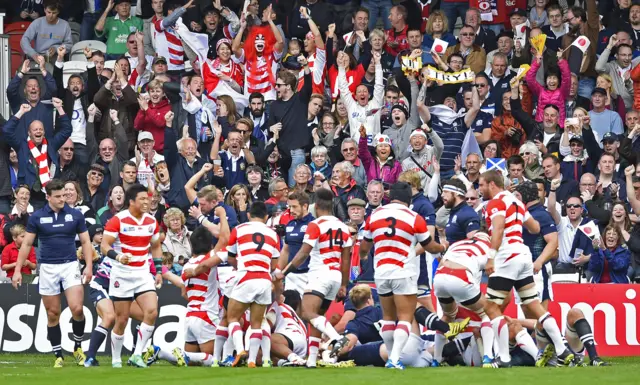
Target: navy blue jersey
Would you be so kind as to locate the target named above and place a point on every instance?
(536, 242)
(56, 233)
(421, 205)
(234, 169)
(294, 236)
(462, 220)
(452, 136)
(363, 325)
(482, 122)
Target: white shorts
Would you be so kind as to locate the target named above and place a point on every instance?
(227, 279)
(126, 284)
(326, 283)
(54, 275)
(298, 340)
(543, 284)
(513, 263)
(197, 330)
(252, 291)
(455, 283)
(398, 286)
(297, 282)
(471, 355)
(414, 353)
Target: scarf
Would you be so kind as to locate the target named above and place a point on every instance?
(488, 9)
(41, 159)
(446, 114)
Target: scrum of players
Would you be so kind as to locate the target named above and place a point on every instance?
(239, 313)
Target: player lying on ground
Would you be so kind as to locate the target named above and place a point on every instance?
(327, 240)
(289, 337)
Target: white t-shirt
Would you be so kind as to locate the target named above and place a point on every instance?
(78, 124)
(144, 169)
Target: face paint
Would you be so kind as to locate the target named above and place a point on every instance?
(259, 42)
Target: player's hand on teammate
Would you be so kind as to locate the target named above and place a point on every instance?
(342, 294)
(188, 273)
(488, 268)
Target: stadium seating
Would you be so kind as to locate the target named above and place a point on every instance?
(16, 31)
(77, 51)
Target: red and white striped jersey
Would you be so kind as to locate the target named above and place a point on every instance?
(470, 253)
(328, 236)
(287, 321)
(317, 63)
(506, 205)
(262, 78)
(254, 244)
(202, 292)
(133, 236)
(395, 229)
(169, 45)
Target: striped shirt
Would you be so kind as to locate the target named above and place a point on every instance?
(202, 292)
(506, 205)
(169, 45)
(287, 321)
(395, 230)
(133, 236)
(470, 253)
(317, 63)
(452, 136)
(254, 244)
(328, 236)
(262, 80)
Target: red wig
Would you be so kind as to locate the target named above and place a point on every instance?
(250, 52)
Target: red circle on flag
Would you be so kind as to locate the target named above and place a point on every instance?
(587, 230)
(438, 48)
(523, 28)
(582, 42)
(483, 5)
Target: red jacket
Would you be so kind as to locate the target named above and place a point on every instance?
(152, 120)
(400, 38)
(10, 255)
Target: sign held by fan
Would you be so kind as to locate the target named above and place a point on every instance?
(582, 42)
(464, 76)
(439, 47)
(411, 65)
(538, 42)
(521, 32)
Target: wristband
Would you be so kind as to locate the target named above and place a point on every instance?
(491, 254)
(552, 190)
(201, 218)
(112, 254)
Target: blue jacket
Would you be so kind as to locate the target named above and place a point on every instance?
(180, 172)
(41, 112)
(26, 170)
(582, 241)
(618, 262)
(427, 42)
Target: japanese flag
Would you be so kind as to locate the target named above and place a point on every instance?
(590, 229)
(520, 31)
(347, 37)
(582, 42)
(439, 46)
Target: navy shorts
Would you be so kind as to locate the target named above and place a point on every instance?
(367, 354)
(521, 358)
(98, 290)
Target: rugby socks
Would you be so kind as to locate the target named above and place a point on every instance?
(54, 334)
(400, 338)
(541, 338)
(322, 325)
(314, 345)
(430, 320)
(98, 335)
(135, 338)
(501, 330)
(78, 333)
(144, 334)
(387, 328)
(236, 335)
(222, 334)
(525, 342)
(203, 359)
(488, 336)
(265, 345)
(255, 339)
(116, 347)
(439, 341)
(228, 347)
(551, 327)
(455, 347)
(586, 336)
(167, 356)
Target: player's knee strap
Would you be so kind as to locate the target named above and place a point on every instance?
(529, 295)
(453, 312)
(424, 291)
(496, 296)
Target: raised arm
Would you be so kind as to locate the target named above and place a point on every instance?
(470, 116)
(215, 147)
(551, 203)
(525, 120)
(190, 187)
(317, 36)
(99, 28)
(276, 32)
(423, 109)
(236, 45)
(378, 87)
(631, 195)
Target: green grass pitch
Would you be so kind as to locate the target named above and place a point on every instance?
(37, 369)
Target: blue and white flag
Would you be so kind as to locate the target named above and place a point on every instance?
(496, 164)
(470, 146)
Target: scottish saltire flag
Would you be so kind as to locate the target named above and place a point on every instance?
(470, 146)
(496, 164)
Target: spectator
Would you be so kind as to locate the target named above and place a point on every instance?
(112, 154)
(278, 192)
(485, 37)
(613, 102)
(619, 70)
(148, 26)
(321, 11)
(472, 177)
(215, 29)
(8, 172)
(96, 195)
(320, 164)
(150, 117)
(499, 76)
(37, 150)
(349, 150)
(396, 36)
(538, 14)
(13, 170)
(375, 195)
(22, 209)
(515, 169)
(473, 199)
(259, 115)
(146, 157)
(239, 199)
(235, 160)
(73, 197)
(474, 56)
(419, 159)
(555, 29)
(30, 9)
(117, 29)
(575, 101)
(176, 240)
(114, 205)
(384, 166)
(437, 28)
(11, 251)
(576, 163)
(567, 187)
(555, 91)
(257, 188)
(506, 130)
(404, 121)
(610, 261)
(454, 9)
(583, 22)
(46, 33)
(330, 134)
(344, 188)
(603, 120)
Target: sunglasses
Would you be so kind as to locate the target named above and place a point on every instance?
(471, 198)
(574, 206)
(95, 173)
(280, 84)
(526, 153)
(67, 149)
(467, 34)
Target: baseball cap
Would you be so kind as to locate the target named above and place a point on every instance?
(609, 137)
(519, 12)
(145, 135)
(95, 229)
(505, 33)
(159, 59)
(599, 90)
(577, 138)
(356, 202)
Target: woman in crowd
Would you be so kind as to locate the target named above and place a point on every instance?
(614, 101)
(73, 198)
(92, 192)
(531, 155)
(437, 28)
(176, 240)
(609, 261)
(114, 205)
(227, 114)
(383, 167)
(240, 199)
(258, 189)
(150, 117)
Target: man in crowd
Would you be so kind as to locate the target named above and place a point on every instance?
(116, 29)
(345, 188)
(46, 33)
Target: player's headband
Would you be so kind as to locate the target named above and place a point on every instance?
(453, 189)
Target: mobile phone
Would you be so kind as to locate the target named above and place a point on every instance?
(514, 181)
(578, 253)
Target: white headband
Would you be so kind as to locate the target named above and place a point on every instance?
(418, 131)
(453, 189)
